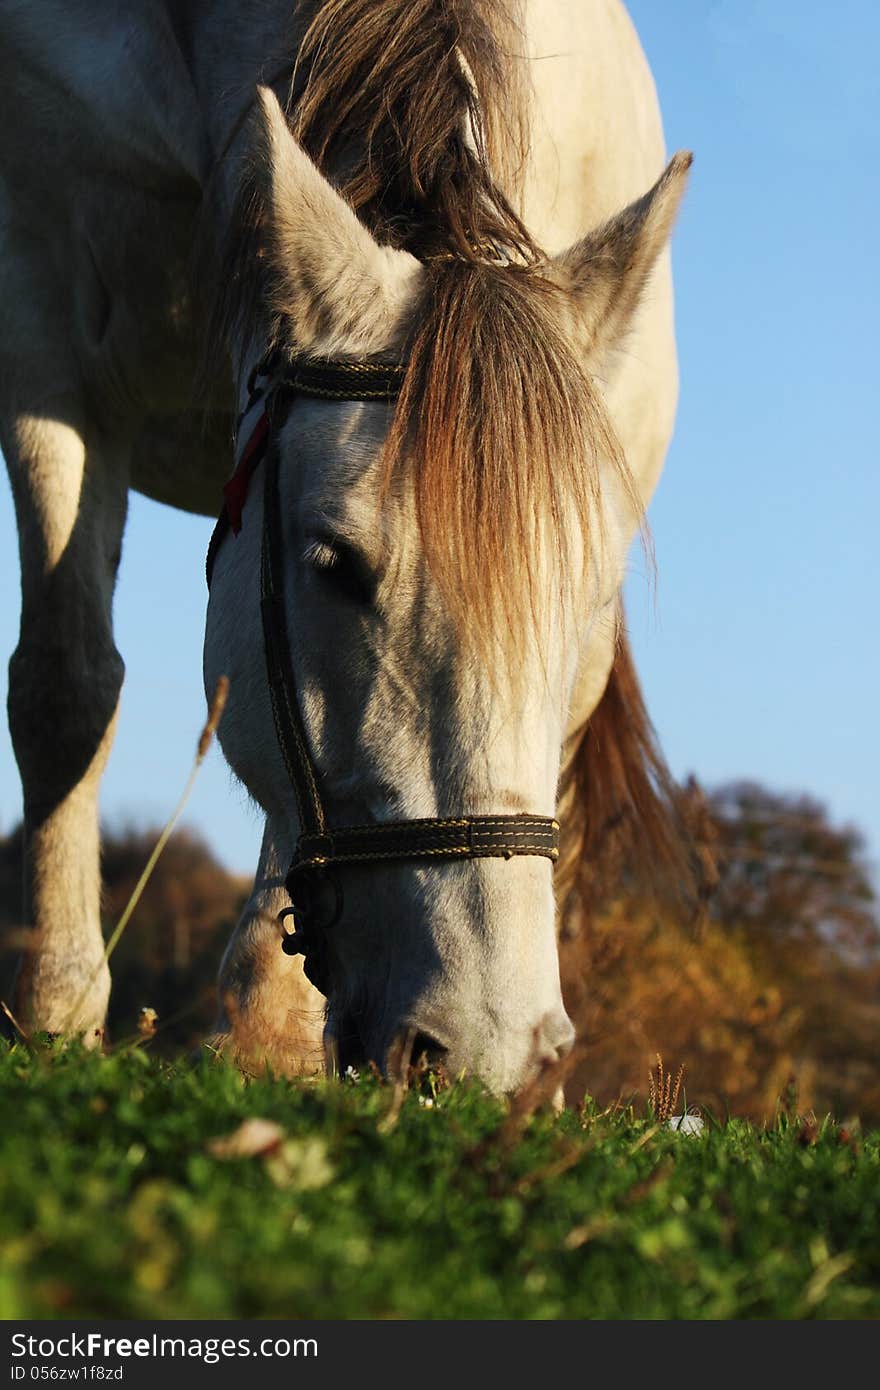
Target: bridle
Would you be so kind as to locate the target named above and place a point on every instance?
(315, 894)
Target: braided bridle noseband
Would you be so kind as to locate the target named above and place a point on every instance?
(315, 894)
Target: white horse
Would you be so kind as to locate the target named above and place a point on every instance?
(484, 206)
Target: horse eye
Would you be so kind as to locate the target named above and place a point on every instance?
(341, 565)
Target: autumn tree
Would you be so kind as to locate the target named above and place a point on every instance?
(780, 977)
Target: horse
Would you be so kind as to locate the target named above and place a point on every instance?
(401, 268)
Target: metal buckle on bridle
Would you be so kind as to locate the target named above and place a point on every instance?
(316, 905)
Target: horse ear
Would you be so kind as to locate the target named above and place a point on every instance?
(607, 270)
(340, 289)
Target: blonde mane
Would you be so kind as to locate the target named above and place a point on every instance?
(503, 431)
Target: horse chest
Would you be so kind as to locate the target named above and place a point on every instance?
(101, 152)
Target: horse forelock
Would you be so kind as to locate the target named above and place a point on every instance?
(503, 434)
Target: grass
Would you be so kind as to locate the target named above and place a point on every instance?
(113, 1203)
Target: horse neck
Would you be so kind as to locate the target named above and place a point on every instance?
(228, 60)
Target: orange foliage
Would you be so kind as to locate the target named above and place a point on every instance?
(637, 986)
(781, 983)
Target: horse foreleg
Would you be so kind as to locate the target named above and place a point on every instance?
(64, 682)
(270, 1015)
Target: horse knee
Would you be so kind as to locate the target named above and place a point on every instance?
(62, 700)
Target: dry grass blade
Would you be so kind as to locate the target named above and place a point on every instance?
(663, 1092)
(399, 1058)
(570, 1156)
(215, 714)
(4, 1007)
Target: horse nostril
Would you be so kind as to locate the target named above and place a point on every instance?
(427, 1047)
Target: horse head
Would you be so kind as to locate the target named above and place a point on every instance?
(445, 558)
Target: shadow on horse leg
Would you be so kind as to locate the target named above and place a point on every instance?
(64, 683)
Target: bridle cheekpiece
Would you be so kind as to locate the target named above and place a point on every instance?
(315, 893)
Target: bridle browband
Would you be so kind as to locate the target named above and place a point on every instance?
(316, 898)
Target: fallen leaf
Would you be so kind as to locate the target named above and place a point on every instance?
(147, 1023)
(252, 1138)
(301, 1164)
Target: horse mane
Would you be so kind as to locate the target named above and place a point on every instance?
(627, 826)
(418, 107)
(502, 432)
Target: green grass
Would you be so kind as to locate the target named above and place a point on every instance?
(111, 1204)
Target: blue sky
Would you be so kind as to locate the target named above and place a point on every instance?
(759, 653)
